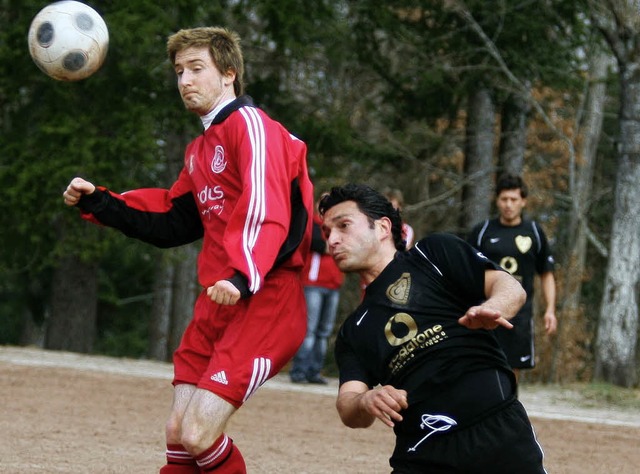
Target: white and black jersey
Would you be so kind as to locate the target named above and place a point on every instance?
(523, 251)
(406, 332)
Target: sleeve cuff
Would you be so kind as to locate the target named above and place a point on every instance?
(94, 202)
(241, 283)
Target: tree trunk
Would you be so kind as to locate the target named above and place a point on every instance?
(175, 276)
(74, 306)
(174, 295)
(569, 354)
(618, 325)
(185, 290)
(513, 136)
(160, 321)
(477, 193)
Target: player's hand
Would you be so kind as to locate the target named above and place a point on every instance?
(481, 317)
(385, 403)
(77, 187)
(223, 292)
(550, 323)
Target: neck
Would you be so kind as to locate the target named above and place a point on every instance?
(377, 266)
(208, 118)
(511, 222)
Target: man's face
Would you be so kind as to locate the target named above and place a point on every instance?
(353, 241)
(510, 204)
(200, 83)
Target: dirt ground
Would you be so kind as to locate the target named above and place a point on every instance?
(68, 413)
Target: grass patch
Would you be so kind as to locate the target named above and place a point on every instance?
(607, 394)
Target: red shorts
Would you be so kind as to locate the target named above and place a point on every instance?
(232, 350)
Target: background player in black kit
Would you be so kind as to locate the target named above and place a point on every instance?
(520, 246)
(418, 353)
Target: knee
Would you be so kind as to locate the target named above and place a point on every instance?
(195, 441)
(173, 430)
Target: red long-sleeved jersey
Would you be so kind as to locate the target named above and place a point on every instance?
(244, 188)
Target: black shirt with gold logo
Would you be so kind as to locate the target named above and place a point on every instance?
(522, 250)
(406, 332)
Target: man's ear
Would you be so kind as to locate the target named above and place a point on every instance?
(229, 77)
(384, 224)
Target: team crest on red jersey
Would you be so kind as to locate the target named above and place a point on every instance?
(218, 163)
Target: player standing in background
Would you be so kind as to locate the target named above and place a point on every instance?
(322, 280)
(417, 353)
(245, 189)
(520, 246)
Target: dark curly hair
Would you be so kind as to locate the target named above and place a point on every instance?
(370, 202)
(509, 182)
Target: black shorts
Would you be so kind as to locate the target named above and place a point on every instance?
(496, 439)
(518, 343)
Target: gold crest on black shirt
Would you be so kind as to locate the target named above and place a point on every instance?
(398, 292)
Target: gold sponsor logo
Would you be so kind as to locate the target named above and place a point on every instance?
(510, 264)
(413, 341)
(404, 320)
(398, 292)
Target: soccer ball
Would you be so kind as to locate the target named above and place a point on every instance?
(68, 40)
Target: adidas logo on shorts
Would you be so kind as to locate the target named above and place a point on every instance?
(220, 377)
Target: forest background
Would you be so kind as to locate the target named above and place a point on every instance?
(435, 98)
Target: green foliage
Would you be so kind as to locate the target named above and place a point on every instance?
(125, 298)
(367, 85)
(105, 128)
(431, 56)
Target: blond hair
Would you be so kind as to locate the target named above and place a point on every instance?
(224, 48)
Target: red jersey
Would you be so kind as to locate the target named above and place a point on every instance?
(244, 188)
(320, 269)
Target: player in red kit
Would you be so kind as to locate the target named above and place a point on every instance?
(245, 190)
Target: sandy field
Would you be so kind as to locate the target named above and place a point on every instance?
(71, 413)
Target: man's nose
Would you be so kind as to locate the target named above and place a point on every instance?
(185, 78)
(331, 239)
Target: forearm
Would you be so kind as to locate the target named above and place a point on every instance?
(352, 411)
(160, 221)
(359, 406)
(548, 284)
(504, 293)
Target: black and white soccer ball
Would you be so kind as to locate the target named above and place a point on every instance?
(68, 40)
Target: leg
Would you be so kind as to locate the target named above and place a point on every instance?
(516, 373)
(179, 461)
(325, 325)
(303, 360)
(202, 430)
(204, 420)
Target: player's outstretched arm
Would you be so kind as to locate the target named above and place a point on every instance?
(505, 296)
(359, 406)
(76, 188)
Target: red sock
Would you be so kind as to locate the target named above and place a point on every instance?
(179, 461)
(222, 458)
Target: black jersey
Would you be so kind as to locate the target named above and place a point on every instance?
(522, 250)
(404, 330)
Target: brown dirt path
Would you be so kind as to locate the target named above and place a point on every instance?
(69, 413)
